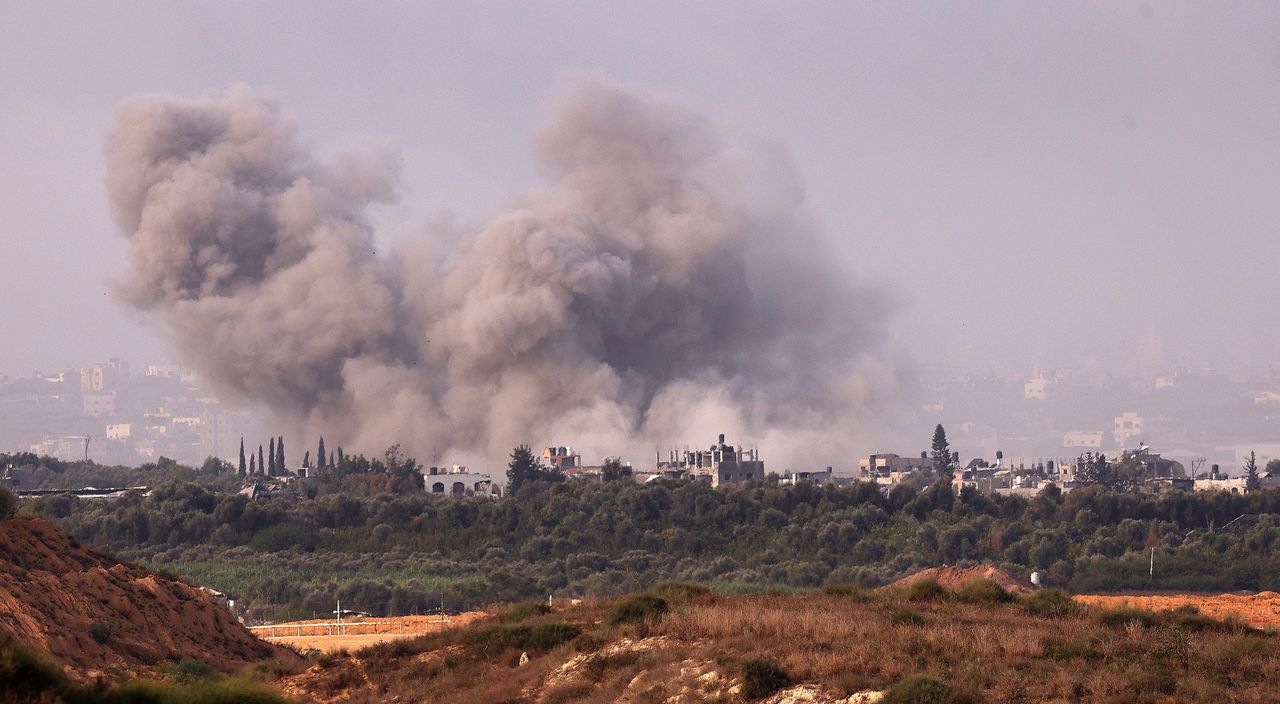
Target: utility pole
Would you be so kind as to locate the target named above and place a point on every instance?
(1152, 572)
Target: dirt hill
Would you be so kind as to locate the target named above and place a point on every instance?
(840, 647)
(1261, 610)
(91, 612)
(955, 577)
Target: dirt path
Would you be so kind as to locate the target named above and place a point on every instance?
(325, 636)
(1261, 610)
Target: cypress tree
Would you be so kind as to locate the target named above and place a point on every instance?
(271, 457)
(1252, 482)
(243, 469)
(262, 461)
(941, 453)
(253, 464)
(320, 455)
(280, 465)
(306, 460)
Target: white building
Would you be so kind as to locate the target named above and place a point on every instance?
(458, 481)
(119, 431)
(1035, 388)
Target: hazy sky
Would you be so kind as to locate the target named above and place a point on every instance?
(1084, 183)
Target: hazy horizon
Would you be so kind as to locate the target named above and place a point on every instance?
(1034, 186)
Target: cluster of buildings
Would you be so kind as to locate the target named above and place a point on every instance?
(1192, 413)
(113, 414)
(1154, 473)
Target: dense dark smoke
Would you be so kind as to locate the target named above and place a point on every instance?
(664, 286)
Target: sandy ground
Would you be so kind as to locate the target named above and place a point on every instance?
(325, 637)
(1261, 610)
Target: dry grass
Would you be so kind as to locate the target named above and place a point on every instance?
(994, 652)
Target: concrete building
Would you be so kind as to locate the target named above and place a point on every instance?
(220, 433)
(119, 431)
(889, 468)
(1035, 388)
(719, 465)
(458, 481)
(1085, 439)
(104, 377)
(1129, 426)
(562, 458)
(98, 404)
(820, 478)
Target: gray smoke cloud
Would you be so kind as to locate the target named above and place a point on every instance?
(665, 285)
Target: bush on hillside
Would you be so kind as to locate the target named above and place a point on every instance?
(920, 689)
(637, 609)
(927, 590)
(525, 609)
(1050, 603)
(762, 677)
(983, 591)
(536, 636)
(1125, 615)
(8, 503)
(676, 592)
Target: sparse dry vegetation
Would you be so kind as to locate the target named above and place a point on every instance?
(974, 644)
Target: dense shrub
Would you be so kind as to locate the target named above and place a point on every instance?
(906, 617)
(523, 610)
(927, 590)
(918, 689)
(24, 675)
(852, 592)
(1082, 649)
(1050, 603)
(762, 677)
(8, 503)
(187, 670)
(1124, 616)
(983, 591)
(676, 592)
(26, 678)
(103, 631)
(536, 636)
(640, 608)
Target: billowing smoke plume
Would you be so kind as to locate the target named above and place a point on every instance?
(663, 286)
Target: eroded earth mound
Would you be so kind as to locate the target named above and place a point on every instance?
(955, 577)
(91, 612)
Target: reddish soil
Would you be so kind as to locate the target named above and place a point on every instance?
(1261, 610)
(955, 577)
(326, 636)
(91, 612)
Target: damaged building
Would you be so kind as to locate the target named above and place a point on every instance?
(718, 465)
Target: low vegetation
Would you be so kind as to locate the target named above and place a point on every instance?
(762, 677)
(26, 677)
(973, 644)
